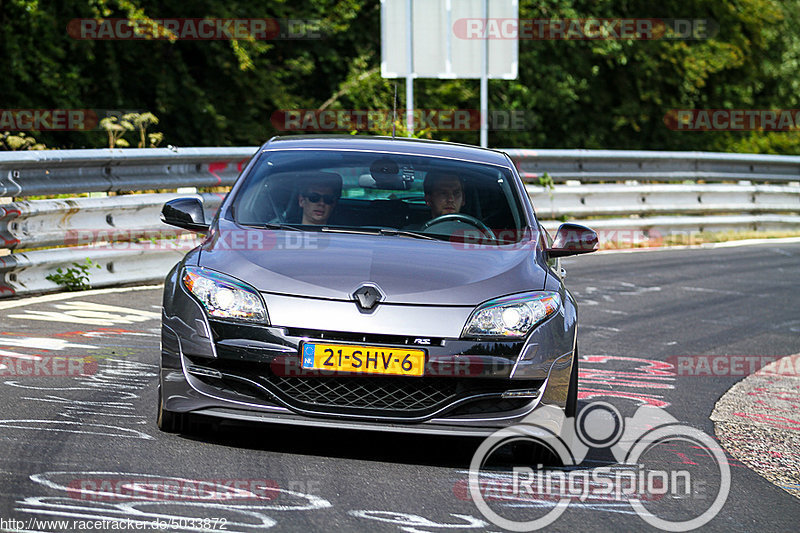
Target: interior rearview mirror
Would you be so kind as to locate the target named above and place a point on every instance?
(385, 174)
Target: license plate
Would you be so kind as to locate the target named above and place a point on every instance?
(365, 359)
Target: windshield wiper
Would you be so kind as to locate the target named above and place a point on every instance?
(281, 225)
(378, 231)
(406, 233)
(357, 231)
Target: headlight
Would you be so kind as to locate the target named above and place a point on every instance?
(225, 297)
(511, 316)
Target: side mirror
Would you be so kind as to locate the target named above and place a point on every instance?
(573, 239)
(186, 213)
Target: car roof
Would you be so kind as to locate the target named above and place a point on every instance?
(399, 145)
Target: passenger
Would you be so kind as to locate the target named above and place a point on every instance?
(319, 198)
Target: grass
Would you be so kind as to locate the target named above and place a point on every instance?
(694, 239)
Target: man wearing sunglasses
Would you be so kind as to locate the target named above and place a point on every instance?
(319, 197)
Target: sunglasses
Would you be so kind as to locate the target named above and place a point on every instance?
(315, 197)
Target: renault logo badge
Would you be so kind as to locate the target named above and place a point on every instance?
(367, 296)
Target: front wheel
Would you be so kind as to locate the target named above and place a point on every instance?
(168, 421)
(571, 408)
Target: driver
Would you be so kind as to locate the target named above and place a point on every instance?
(319, 196)
(444, 193)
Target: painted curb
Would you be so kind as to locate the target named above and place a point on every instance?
(758, 422)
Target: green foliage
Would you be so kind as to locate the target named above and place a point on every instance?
(546, 180)
(398, 129)
(141, 121)
(575, 94)
(155, 139)
(74, 278)
(116, 127)
(19, 141)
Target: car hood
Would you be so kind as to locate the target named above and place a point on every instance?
(407, 270)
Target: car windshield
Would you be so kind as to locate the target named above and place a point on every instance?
(380, 193)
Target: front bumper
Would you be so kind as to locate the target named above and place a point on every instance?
(249, 372)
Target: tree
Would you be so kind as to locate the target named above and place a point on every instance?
(573, 93)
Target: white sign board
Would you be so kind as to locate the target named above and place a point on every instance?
(445, 42)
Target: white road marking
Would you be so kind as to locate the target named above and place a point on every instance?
(120, 395)
(705, 246)
(90, 313)
(409, 522)
(61, 426)
(125, 512)
(52, 316)
(782, 252)
(82, 504)
(16, 355)
(69, 295)
(109, 308)
(606, 328)
(614, 312)
(718, 291)
(41, 343)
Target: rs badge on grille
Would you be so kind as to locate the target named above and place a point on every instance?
(367, 296)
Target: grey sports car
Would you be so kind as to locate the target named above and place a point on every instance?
(370, 283)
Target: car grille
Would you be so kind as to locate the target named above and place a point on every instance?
(393, 394)
(379, 396)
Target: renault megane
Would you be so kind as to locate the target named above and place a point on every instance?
(370, 283)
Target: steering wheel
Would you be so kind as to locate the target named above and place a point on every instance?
(462, 217)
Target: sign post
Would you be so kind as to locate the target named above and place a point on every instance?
(410, 69)
(447, 39)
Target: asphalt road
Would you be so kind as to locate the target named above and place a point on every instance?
(72, 445)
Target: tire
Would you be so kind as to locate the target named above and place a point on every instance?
(534, 454)
(571, 408)
(168, 421)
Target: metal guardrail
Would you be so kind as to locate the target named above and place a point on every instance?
(125, 236)
(646, 200)
(25, 273)
(642, 165)
(83, 221)
(49, 172)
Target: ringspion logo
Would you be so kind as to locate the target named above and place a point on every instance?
(643, 475)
